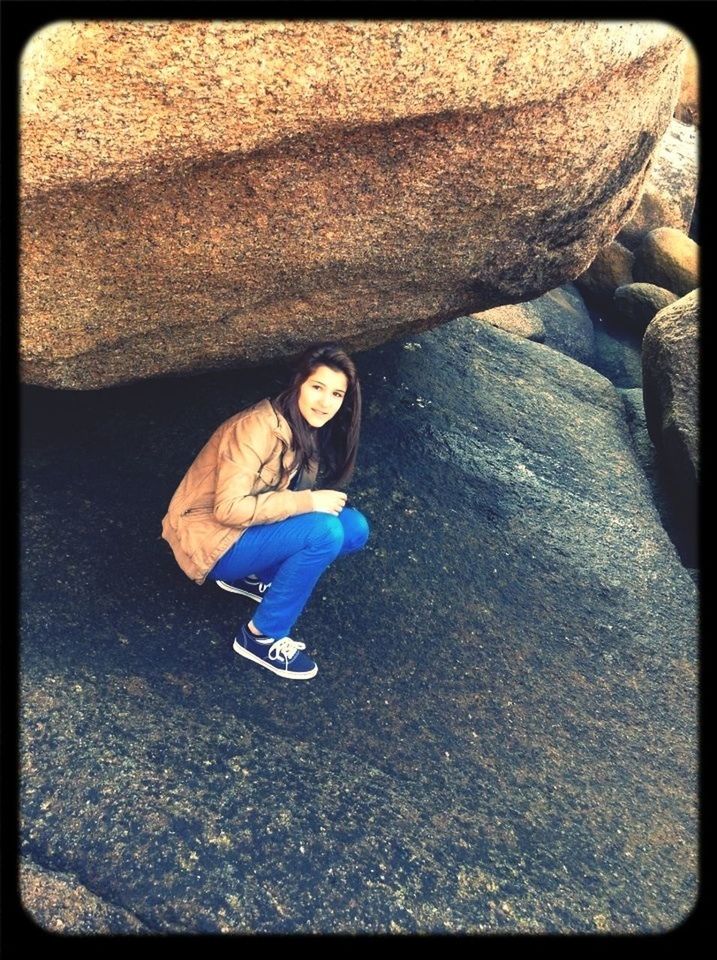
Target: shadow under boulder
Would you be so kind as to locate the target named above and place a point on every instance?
(502, 735)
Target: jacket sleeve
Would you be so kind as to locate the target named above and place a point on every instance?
(243, 450)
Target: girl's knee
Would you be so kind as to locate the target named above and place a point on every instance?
(356, 528)
(327, 531)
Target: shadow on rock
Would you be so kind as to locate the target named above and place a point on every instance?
(502, 733)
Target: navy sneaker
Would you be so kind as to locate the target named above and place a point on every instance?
(251, 587)
(284, 656)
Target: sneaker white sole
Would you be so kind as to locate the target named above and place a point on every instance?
(238, 648)
(231, 589)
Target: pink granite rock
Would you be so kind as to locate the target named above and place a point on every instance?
(669, 259)
(688, 104)
(670, 193)
(201, 194)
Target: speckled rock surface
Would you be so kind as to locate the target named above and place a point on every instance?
(559, 319)
(502, 734)
(516, 318)
(648, 459)
(688, 104)
(618, 353)
(670, 374)
(59, 904)
(637, 303)
(670, 193)
(199, 194)
(670, 259)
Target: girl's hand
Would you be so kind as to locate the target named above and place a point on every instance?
(328, 501)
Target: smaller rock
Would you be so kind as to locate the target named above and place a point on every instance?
(568, 324)
(559, 319)
(611, 268)
(670, 374)
(515, 318)
(637, 303)
(669, 259)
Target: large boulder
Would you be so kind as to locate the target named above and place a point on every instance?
(503, 733)
(207, 193)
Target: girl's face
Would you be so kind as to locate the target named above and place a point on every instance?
(321, 395)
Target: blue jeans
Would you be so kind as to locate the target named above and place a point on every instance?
(291, 555)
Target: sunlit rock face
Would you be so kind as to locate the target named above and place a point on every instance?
(688, 104)
(204, 194)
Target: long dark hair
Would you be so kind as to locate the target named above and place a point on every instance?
(334, 445)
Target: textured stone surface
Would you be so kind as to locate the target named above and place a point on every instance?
(618, 353)
(670, 259)
(611, 268)
(670, 373)
(59, 903)
(649, 461)
(688, 104)
(637, 303)
(202, 194)
(516, 318)
(559, 319)
(670, 193)
(503, 732)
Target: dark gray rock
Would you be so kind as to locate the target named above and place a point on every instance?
(559, 319)
(648, 459)
(637, 303)
(567, 322)
(618, 353)
(670, 369)
(502, 735)
(611, 268)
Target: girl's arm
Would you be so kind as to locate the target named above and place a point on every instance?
(245, 448)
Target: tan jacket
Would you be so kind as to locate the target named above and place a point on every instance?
(233, 484)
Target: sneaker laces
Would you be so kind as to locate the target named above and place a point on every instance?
(285, 649)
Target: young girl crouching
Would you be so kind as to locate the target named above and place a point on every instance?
(247, 513)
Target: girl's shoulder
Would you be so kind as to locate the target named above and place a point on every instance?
(263, 417)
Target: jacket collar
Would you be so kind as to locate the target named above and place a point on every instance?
(280, 425)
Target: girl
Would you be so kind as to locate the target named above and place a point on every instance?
(247, 514)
